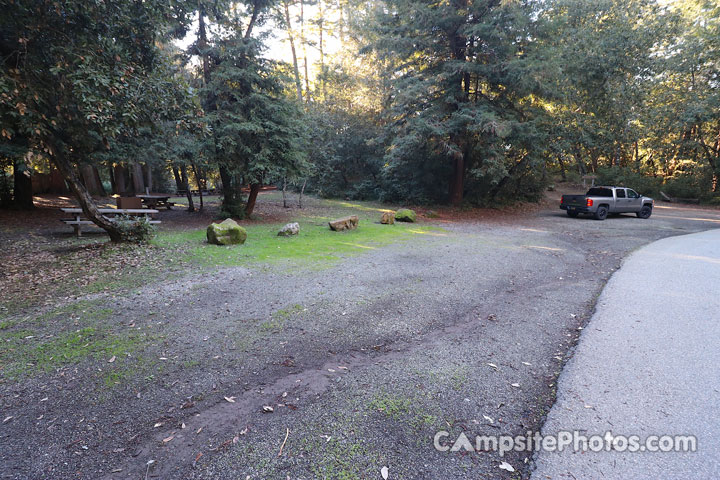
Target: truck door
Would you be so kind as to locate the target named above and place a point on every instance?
(634, 201)
(620, 201)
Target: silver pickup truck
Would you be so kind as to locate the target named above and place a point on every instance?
(601, 201)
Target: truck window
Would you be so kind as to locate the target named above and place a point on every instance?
(599, 192)
(632, 193)
(620, 192)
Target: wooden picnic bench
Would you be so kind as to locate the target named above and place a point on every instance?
(79, 220)
(156, 201)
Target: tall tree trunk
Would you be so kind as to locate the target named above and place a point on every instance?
(137, 178)
(176, 175)
(302, 191)
(98, 182)
(147, 177)
(253, 19)
(199, 184)
(321, 21)
(202, 46)
(291, 38)
(252, 198)
(284, 192)
(186, 187)
(111, 174)
(22, 187)
(120, 184)
(303, 43)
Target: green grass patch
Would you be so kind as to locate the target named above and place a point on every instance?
(25, 356)
(316, 244)
(85, 310)
(391, 405)
(279, 317)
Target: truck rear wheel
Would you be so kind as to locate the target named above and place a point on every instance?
(644, 212)
(601, 213)
(572, 214)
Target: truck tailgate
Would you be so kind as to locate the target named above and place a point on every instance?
(574, 200)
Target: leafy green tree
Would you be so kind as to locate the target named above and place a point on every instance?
(76, 74)
(256, 132)
(458, 107)
(599, 62)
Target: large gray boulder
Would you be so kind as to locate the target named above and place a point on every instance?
(289, 229)
(227, 232)
(347, 223)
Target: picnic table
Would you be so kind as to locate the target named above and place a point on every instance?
(156, 201)
(79, 219)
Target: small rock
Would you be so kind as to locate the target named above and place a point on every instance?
(289, 229)
(405, 215)
(388, 218)
(346, 223)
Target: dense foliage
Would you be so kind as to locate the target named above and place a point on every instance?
(461, 101)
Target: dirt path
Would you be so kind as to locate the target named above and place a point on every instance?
(465, 329)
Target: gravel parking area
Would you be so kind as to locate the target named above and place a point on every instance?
(463, 329)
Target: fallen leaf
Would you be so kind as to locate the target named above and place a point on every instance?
(112, 359)
(230, 399)
(244, 431)
(7, 419)
(493, 366)
(198, 430)
(526, 363)
(489, 419)
(506, 466)
(384, 472)
(182, 425)
(516, 385)
(268, 409)
(166, 440)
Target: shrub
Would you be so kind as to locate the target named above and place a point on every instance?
(135, 229)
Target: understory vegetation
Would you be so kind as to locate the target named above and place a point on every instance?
(405, 101)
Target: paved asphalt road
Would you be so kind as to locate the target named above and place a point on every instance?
(647, 364)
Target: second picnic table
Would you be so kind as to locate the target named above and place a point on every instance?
(156, 201)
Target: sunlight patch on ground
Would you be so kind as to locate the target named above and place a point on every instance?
(358, 206)
(358, 245)
(425, 232)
